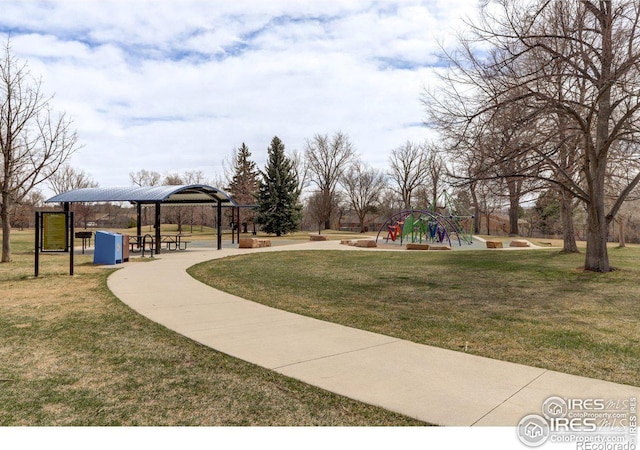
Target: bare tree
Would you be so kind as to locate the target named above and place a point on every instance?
(24, 212)
(409, 170)
(579, 59)
(194, 177)
(301, 169)
(327, 158)
(363, 187)
(437, 171)
(175, 214)
(145, 178)
(318, 204)
(67, 179)
(34, 142)
(141, 178)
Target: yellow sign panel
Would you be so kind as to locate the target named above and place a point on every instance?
(54, 232)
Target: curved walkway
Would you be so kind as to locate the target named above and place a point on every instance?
(435, 385)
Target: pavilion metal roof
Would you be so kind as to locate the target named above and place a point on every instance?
(181, 194)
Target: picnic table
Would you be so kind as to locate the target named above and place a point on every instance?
(175, 241)
(172, 241)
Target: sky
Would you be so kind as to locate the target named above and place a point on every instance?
(175, 86)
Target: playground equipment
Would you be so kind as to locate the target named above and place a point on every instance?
(430, 226)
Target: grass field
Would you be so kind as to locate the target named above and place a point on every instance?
(73, 354)
(535, 307)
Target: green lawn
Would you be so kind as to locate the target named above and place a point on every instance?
(535, 307)
(72, 354)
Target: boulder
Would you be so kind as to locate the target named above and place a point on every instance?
(415, 246)
(367, 243)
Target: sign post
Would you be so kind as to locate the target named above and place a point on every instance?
(54, 234)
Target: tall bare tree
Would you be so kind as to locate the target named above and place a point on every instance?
(34, 142)
(409, 170)
(363, 187)
(327, 159)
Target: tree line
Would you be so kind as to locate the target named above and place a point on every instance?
(539, 101)
(545, 94)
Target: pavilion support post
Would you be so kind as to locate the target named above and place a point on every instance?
(139, 223)
(239, 224)
(219, 225)
(66, 207)
(236, 220)
(72, 235)
(157, 227)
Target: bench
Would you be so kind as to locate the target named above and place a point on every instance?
(366, 243)
(494, 244)
(317, 237)
(519, 243)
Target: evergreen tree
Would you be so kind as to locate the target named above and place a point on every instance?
(278, 210)
(244, 183)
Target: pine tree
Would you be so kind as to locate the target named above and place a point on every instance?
(244, 184)
(278, 210)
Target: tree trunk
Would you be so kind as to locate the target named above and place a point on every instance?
(476, 210)
(621, 238)
(6, 228)
(597, 257)
(568, 230)
(514, 206)
(488, 216)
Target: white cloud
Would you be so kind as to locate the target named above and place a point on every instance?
(174, 86)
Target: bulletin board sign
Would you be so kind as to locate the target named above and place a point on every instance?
(55, 232)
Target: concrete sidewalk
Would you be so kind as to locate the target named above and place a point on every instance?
(438, 386)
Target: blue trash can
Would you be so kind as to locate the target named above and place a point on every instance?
(108, 248)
